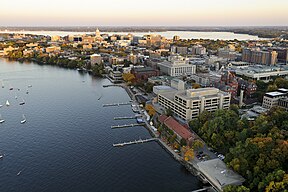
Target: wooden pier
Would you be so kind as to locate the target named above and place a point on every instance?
(131, 117)
(126, 126)
(116, 104)
(134, 142)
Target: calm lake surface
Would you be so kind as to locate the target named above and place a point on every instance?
(66, 143)
(167, 34)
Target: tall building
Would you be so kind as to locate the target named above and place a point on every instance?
(188, 104)
(282, 53)
(257, 56)
(177, 66)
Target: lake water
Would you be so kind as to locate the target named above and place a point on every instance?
(167, 34)
(66, 143)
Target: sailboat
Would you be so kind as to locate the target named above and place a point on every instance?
(7, 103)
(24, 119)
(1, 120)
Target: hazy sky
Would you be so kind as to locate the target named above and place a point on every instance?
(143, 12)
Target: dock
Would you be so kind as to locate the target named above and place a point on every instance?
(134, 142)
(116, 104)
(131, 117)
(126, 126)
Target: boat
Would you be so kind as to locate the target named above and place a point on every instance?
(22, 103)
(1, 106)
(27, 91)
(11, 88)
(24, 119)
(1, 156)
(7, 103)
(19, 173)
(1, 120)
(29, 86)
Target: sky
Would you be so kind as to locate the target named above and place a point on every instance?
(144, 13)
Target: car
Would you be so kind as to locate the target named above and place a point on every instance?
(220, 156)
(200, 152)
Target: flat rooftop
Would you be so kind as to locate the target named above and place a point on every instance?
(274, 94)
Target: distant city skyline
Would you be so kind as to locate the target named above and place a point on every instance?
(148, 13)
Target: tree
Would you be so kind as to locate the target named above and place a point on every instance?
(188, 153)
(128, 77)
(183, 142)
(169, 112)
(197, 144)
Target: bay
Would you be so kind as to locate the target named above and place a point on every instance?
(66, 143)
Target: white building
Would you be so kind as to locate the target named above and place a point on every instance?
(271, 99)
(188, 104)
(177, 66)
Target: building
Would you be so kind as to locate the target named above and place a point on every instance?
(258, 56)
(226, 53)
(179, 50)
(133, 59)
(98, 36)
(282, 53)
(249, 87)
(177, 66)
(260, 72)
(96, 59)
(271, 99)
(55, 38)
(197, 50)
(188, 104)
(180, 131)
(176, 38)
(143, 73)
(218, 174)
(87, 47)
(52, 49)
(283, 103)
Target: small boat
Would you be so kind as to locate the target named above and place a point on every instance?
(11, 88)
(22, 103)
(27, 91)
(24, 119)
(29, 86)
(7, 103)
(1, 156)
(1, 120)
(1, 106)
(19, 173)
(16, 97)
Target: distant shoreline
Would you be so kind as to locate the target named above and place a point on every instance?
(260, 31)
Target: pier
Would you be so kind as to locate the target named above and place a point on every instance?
(122, 118)
(126, 126)
(134, 142)
(116, 104)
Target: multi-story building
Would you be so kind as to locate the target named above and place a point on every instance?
(96, 59)
(197, 50)
(260, 72)
(188, 104)
(177, 66)
(282, 53)
(226, 53)
(179, 50)
(271, 99)
(257, 56)
(143, 73)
